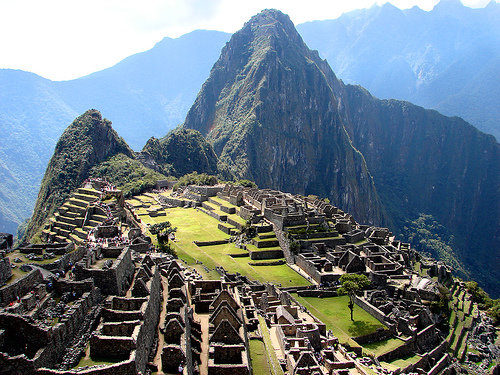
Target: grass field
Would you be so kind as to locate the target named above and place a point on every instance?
(384, 346)
(273, 363)
(193, 225)
(258, 356)
(401, 363)
(333, 311)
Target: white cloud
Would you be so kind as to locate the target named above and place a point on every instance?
(64, 39)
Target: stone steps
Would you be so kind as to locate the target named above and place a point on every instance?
(64, 225)
(93, 192)
(266, 236)
(66, 219)
(85, 197)
(266, 243)
(62, 232)
(75, 239)
(63, 209)
(77, 209)
(73, 215)
(99, 218)
(59, 238)
(78, 202)
(80, 233)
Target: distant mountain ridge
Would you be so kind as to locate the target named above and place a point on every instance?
(447, 59)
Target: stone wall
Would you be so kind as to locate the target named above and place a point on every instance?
(210, 243)
(42, 347)
(114, 347)
(370, 309)
(62, 286)
(113, 281)
(209, 191)
(234, 223)
(266, 254)
(174, 202)
(20, 287)
(400, 352)
(147, 333)
(123, 368)
(379, 335)
(5, 270)
(66, 261)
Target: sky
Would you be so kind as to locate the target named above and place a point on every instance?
(67, 39)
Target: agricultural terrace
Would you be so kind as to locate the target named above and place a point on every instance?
(194, 225)
(334, 312)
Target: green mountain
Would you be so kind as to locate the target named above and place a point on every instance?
(276, 114)
(90, 147)
(88, 141)
(267, 109)
(181, 152)
(151, 91)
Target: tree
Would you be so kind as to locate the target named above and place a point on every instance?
(351, 284)
(295, 247)
(163, 231)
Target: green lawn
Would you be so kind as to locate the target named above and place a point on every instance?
(193, 225)
(271, 354)
(333, 311)
(384, 346)
(402, 362)
(258, 356)
(223, 202)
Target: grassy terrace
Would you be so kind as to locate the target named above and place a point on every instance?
(384, 346)
(401, 362)
(218, 211)
(16, 272)
(194, 225)
(251, 247)
(258, 356)
(333, 311)
(223, 202)
(273, 365)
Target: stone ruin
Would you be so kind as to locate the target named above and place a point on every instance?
(118, 301)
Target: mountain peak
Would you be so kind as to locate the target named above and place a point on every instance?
(270, 113)
(448, 5)
(269, 17)
(268, 26)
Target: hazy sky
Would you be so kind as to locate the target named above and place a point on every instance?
(65, 39)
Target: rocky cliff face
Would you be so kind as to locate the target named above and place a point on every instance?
(89, 140)
(426, 163)
(270, 113)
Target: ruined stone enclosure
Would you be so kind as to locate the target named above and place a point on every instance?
(253, 289)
